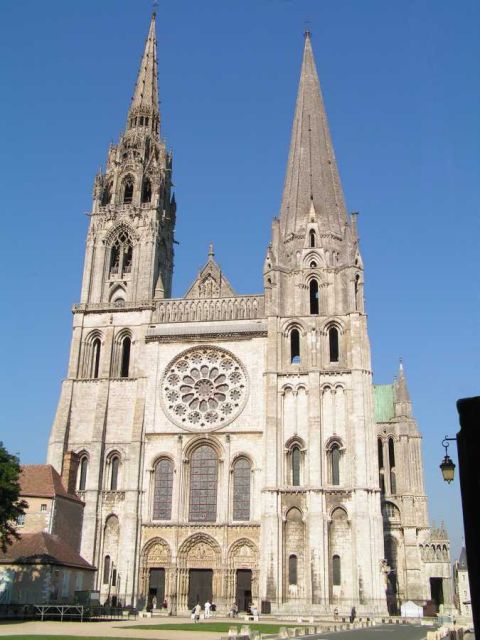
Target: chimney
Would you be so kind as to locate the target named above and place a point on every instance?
(69, 471)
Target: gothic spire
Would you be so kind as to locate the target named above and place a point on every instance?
(144, 111)
(402, 396)
(312, 175)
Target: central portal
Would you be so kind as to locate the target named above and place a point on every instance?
(199, 587)
(156, 589)
(243, 595)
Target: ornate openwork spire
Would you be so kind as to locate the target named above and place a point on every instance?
(144, 111)
(312, 175)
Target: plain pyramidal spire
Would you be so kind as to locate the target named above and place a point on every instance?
(144, 111)
(312, 175)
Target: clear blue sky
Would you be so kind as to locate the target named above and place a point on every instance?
(401, 86)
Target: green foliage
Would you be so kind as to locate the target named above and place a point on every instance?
(10, 504)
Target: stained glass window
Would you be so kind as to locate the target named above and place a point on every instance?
(203, 485)
(162, 495)
(241, 489)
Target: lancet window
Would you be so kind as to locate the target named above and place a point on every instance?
(128, 185)
(114, 468)
(163, 488)
(293, 569)
(82, 473)
(146, 190)
(314, 306)
(336, 571)
(294, 346)
(242, 472)
(333, 345)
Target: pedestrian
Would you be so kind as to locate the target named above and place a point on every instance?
(198, 609)
(207, 609)
(154, 602)
(335, 614)
(353, 614)
(213, 609)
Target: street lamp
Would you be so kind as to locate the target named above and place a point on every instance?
(447, 466)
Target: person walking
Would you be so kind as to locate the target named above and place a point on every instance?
(198, 609)
(207, 609)
(353, 614)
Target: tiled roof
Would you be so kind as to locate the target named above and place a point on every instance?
(43, 548)
(42, 481)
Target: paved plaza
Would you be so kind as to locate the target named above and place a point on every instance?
(129, 629)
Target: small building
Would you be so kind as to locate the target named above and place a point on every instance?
(42, 568)
(44, 564)
(462, 585)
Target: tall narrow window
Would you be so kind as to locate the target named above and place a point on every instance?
(241, 489)
(146, 190)
(114, 577)
(162, 493)
(127, 257)
(335, 462)
(381, 469)
(128, 191)
(125, 355)
(203, 485)
(314, 297)
(312, 238)
(357, 290)
(294, 346)
(106, 570)
(391, 461)
(336, 571)
(114, 465)
(82, 479)
(293, 569)
(96, 348)
(295, 455)
(333, 344)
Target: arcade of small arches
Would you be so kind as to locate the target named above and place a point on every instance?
(93, 355)
(295, 336)
(126, 193)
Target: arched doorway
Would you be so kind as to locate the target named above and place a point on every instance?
(200, 576)
(156, 575)
(242, 579)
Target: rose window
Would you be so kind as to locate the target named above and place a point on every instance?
(204, 388)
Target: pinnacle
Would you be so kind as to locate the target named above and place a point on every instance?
(312, 176)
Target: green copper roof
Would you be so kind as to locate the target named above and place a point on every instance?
(383, 396)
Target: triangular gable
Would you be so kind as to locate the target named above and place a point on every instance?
(210, 282)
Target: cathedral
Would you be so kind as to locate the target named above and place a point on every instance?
(234, 448)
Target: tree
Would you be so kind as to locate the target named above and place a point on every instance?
(11, 506)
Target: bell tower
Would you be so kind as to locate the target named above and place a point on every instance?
(129, 252)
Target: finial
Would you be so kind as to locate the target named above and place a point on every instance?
(210, 251)
(154, 8)
(307, 33)
(400, 364)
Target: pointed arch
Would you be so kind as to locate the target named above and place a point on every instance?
(312, 238)
(314, 297)
(146, 190)
(120, 241)
(128, 185)
(242, 472)
(163, 489)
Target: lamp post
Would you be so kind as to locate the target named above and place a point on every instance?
(447, 466)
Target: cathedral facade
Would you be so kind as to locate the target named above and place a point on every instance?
(233, 447)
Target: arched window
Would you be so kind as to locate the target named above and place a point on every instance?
(121, 254)
(295, 458)
(162, 492)
(125, 357)
(128, 190)
(114, 466)
(313, 264)
(391, 461)
(146, 190)
(335, 463)
(106, 570)
(82, 473)
(314, 297)
(381, 469)
(292, 569)
(312, 238)
(107, 194)
(294, 346)
(336, 571)
(241, 489)
(333, 344)
(203, 485)
(95, 365)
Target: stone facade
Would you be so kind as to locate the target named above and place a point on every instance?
(227, 444)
